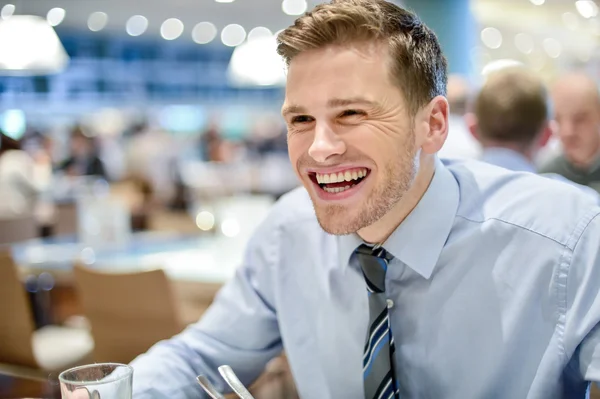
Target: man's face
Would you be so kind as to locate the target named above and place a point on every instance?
(578, 120)
(351, 139)
(80, 147)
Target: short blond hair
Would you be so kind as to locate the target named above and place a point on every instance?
(512, 106)
(418, 65)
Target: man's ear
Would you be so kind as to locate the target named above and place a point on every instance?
(437, 120)
(545, 135)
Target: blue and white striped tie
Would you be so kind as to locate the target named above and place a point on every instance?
(378, 358)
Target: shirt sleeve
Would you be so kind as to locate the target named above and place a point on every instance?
(582, 329)
(239, 329)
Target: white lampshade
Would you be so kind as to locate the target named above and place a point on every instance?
(256, 63)
(30, 46)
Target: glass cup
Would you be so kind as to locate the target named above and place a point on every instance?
(97, 381)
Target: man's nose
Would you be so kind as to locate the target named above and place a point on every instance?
(326, 144)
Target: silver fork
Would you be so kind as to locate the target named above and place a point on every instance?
(209, 388)
(234, 382)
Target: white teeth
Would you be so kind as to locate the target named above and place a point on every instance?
(341, 177)
(338, 189)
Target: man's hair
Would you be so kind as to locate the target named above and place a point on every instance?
(418, 65)
(512, 106)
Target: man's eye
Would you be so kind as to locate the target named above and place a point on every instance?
(302, 119)
(351, 112)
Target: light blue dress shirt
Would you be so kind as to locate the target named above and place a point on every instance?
(493, 293)
(516, 162)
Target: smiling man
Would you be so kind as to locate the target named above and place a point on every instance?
(391, 274)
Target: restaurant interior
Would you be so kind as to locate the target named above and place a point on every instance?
(151, 147)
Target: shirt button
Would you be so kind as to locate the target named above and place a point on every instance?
(390, 303)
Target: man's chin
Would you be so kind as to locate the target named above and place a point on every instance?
(336, 219)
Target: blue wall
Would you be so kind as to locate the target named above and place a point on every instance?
(454, 25)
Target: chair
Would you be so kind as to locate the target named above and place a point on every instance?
(128, 312)
(17, 228)
(24, 349)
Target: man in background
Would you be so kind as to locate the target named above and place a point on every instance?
(459, 144)
(577, 107)
(511, 119)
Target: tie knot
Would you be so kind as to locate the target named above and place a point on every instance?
(373, 262)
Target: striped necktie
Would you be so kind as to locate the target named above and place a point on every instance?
(378, 357)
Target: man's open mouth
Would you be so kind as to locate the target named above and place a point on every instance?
(340, 181)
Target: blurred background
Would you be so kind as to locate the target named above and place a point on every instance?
(142, 144)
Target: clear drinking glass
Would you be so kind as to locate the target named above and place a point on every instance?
(97, 381)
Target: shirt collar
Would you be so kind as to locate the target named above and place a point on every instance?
(507, 159)
(420, 238)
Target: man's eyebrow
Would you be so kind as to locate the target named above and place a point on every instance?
(333, 103)
(293, 109)
(342, 102)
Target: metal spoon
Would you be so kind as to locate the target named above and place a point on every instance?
(209, 388)
(234, 382)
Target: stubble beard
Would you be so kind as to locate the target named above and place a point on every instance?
(395, 181)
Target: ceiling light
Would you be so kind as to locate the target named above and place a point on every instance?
(136, 25)
(294, 7)
(524, 43)
(537, 2)
(171, 29)
(233, 35)
(256, 63)
(570, 20)
(55, 16)
(552, 47)
(491, 37)
(259, 32)
(29, 46)
(584, 56)
(587, 8)
(204, 32)
(224, 1)
(7, 11)
(97, 21)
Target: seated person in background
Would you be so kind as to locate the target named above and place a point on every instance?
(21, 179)
(392, 274)
(511, 120)
(84, 159)
(576, 103)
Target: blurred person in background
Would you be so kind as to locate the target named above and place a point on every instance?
(83, 159)
(151, 161)
(459, 144)
(212, 145)
(22, 180)
(576, 103)
(511, 120)
(392, 274)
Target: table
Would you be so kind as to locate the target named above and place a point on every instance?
(12, 386)
(209, 259)
(197, 265)
(205, 257)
